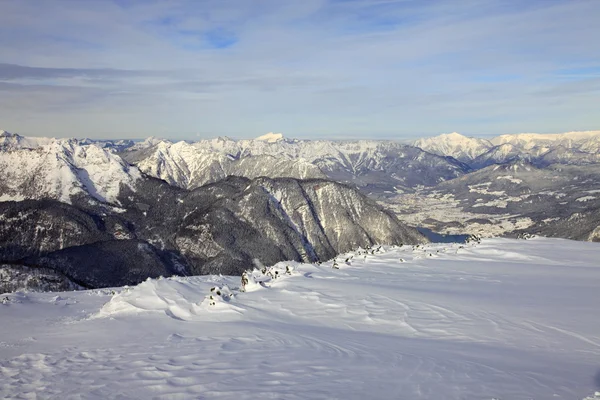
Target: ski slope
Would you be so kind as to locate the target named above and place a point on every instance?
(502, 319)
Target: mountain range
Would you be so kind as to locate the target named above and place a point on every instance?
(83, 212)
(374, 166)
(542, 149)
(111, 212)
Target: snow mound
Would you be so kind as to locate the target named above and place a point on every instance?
(271, 137)
(262, 278)
(190, 298)
(177, 298)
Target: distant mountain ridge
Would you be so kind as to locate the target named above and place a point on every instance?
(454, 180)
(375, 166)
(455, 145)
(568, 148)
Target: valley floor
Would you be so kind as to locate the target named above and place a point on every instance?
(503, 319)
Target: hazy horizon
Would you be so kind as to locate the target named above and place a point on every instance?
(177, 138)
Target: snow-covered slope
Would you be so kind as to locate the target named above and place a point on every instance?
(504, 319)
(454, 145)
(62, 169)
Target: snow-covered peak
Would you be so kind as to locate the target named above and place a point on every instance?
(454, 144)
(13, 141)
(271, 137)
(453, 136)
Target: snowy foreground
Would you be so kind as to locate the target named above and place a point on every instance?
(504, 319)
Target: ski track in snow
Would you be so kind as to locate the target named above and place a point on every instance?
(503, 319)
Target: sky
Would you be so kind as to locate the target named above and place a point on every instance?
(330, 69)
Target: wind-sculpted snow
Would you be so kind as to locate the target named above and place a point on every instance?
(500, 319)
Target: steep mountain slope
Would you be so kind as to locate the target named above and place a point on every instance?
(238, 220)
(225, 227)
(377, 166)
(501, 154)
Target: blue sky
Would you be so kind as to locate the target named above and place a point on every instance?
(390, 69)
